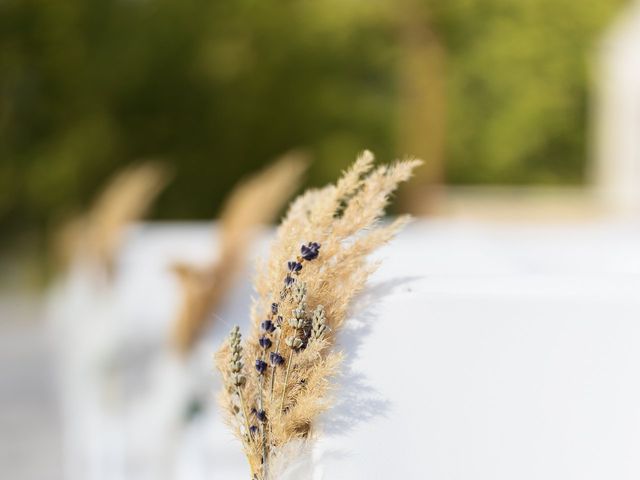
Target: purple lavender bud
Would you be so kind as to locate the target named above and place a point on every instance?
(264, 342)
(261, 366)
(279, 320)
(268, 326)
(274, 308)
(288, 280)
(294, 266)
(253, 429)
(310, 251)
(262, 415)
(254, 411)
(276, 359)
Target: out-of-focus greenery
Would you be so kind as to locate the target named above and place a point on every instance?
(217, 88)
(519, 86)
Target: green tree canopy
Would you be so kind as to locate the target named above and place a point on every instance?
(218, 88)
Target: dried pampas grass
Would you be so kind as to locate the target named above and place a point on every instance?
(98, 233)
(253, 202)
(278, 382)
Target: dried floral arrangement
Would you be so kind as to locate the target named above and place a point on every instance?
(255, 201)
(98, 233)
(278, 381)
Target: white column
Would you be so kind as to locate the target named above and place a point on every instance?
(617, 115)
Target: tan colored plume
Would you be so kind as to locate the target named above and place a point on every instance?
(278, 381)
(125, 199)
(255, 201)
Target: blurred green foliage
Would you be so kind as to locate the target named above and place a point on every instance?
(215, 88)
(218, 88)
(519, 86)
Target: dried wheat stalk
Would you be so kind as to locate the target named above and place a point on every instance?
(278, 381)
(253, 202)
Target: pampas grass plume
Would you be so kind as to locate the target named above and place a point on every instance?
(317, 264)
(254, 202)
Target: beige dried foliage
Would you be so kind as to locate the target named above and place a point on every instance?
(98, 233)
(254, 202)
(292, 391)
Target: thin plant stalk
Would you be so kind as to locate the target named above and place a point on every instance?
(286, 379)
(244, 413)
(264, 432)
(273, 367)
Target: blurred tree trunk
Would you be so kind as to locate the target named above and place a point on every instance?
(422, 106)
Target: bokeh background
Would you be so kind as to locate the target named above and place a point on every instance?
(488, 92)
(499, 97)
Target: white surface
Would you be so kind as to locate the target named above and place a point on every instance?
(478, 352)
(522, 357)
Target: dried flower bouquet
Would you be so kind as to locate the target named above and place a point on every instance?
(255, 201)
(277, 382)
